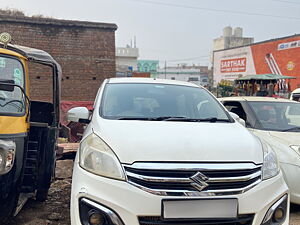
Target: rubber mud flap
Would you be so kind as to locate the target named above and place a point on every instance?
(9, 195)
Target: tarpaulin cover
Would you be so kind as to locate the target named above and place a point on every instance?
(74, 130)
(265, 77)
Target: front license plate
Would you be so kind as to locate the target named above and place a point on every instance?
(200, 208)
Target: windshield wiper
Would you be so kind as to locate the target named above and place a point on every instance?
(213, 119)
(186, 119)
(175, 118)
(169, 118)
(162, 118)
(291, 129)
(133, 118)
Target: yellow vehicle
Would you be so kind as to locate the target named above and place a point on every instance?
(28, 129)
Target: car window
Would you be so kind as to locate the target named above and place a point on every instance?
(159, 100)
(237, 108)
(293, 110)
(279, 116)
(293, 114)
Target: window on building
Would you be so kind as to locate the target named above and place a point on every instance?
(193, 79)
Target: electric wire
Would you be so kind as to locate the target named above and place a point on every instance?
(285, 1)
(215, 10)
(187, 59)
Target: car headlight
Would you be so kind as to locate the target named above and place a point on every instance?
(296, 148)
(270, 166)
(96, 157)
(7, 155)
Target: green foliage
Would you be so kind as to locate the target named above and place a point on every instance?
(11, 12)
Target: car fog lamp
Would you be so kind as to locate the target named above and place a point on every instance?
(96, 218)
(278, 214)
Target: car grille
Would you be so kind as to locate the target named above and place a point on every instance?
(153, 220)
(188, 179)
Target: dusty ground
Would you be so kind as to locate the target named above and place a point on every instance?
(295, 215)
(55, 211)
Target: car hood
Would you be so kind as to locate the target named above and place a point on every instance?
(280, 142)
(134, 141)
(290, 138)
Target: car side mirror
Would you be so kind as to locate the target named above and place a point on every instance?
(237, 118)
(79, 114)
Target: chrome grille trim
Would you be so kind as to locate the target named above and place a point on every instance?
(196, 193)
(193, 166)
(173, 179)
(188, 180)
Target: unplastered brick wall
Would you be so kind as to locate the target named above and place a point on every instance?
(85, 51)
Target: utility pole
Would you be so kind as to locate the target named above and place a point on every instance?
(165, 69)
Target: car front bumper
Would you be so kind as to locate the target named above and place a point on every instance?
(129, 202)
(292, 177)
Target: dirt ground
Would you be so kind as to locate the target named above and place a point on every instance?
(295, 215)
(55, 211)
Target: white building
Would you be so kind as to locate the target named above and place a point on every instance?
(182, 72)
(126, 60)
(231, 38)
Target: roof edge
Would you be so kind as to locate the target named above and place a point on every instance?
(57, 22)
(260, 42)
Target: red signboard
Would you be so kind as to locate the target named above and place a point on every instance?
(280, 57)
(233, 65)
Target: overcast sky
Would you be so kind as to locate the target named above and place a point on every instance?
(174, 30)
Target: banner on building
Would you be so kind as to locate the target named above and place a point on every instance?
(279, 56)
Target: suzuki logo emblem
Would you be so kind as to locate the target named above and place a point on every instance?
(199, 181)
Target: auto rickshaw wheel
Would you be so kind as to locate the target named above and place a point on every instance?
(41, 195)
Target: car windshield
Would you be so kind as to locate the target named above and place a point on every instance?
(11, 71)
(278, 116)
(160, 102)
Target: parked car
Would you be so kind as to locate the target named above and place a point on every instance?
(295, 95)
(167, 152)
(277, 121)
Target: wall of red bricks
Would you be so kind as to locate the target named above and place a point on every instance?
(85, 51)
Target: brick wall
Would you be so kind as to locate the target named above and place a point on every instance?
(85, 51)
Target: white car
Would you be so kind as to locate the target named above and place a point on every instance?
(295, 95)
(277, 121)
(167, 152)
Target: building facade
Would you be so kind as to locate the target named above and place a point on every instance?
(126, 61)
(275, 56)
(231, 38)
(195, 74)
(148, 66)
(85, 51)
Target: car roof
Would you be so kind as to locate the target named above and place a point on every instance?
(296, 91)
(255, 99)
(149, 81)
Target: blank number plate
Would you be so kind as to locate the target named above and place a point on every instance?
(200, 208)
